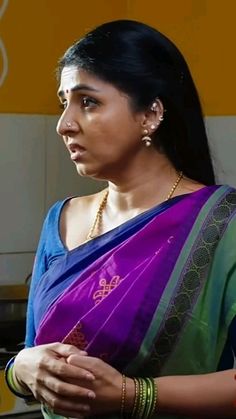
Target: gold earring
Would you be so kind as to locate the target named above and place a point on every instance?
(161, 118)
(146, 139)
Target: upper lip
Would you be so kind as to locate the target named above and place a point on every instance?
(72, 147)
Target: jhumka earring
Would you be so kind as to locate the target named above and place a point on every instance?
(146, 139)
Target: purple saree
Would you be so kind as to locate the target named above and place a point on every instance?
(107, 308)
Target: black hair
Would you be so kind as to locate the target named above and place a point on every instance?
(145, 64)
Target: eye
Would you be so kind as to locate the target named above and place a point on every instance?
(89, 102)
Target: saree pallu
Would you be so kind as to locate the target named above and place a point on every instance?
(155, 296)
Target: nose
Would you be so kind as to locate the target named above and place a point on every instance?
(66, 126)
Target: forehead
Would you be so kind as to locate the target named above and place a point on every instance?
(72, 77)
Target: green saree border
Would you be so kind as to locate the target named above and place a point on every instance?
(184, 286)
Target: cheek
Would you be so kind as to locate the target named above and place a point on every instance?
(113, 131)
(115, 128)
(99, 132)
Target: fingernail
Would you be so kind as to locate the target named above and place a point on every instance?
(83, 353)
(91, 395)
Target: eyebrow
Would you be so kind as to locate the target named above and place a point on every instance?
(76, 88)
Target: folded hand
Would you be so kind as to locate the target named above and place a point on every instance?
(64, 387)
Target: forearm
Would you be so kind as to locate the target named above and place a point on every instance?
(208, 395)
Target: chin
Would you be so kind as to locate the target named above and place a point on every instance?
(91, 173)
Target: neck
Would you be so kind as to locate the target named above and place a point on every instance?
(143, 189)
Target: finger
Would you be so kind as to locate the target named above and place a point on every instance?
(64, 406)
(70, 414)
(67, 371)
(88, 363)
(67, 389)
(66, 350)
(49, 411)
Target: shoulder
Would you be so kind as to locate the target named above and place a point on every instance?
(226, 198)
(76, 218)
(49, 243)
(228, 205)
(78, 204)
(55, 209)
(64, 207)
(221, 205)
(224, 219)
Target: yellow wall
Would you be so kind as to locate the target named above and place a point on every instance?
(205, 31)
(36, 33)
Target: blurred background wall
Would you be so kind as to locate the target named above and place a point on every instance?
(35, 170)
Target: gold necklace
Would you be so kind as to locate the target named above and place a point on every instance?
(98, 219)
(174, 186)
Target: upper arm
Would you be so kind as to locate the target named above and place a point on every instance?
(49, 248)
(39, 268)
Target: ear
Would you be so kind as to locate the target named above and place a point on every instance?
(153, 116)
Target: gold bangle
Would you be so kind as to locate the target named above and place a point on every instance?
(123, 395)
(142, 397)
(136, 398)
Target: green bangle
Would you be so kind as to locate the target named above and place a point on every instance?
(152, 399)
(11, 383)
(145, 398)
(155, 397)
(148, 398)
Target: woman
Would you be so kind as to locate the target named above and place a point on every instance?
(132, 303)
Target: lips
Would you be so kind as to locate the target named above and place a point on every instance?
(76, 151)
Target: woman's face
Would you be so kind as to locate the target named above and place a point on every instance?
(99, 128)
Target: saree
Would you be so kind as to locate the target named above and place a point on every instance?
(153, 297)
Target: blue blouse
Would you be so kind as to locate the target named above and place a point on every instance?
(50, 248)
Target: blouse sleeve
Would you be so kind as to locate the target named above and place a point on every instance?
(49, 248)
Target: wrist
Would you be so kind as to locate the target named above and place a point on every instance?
(138, 397)
(13, 384)
(15, 373)
(23, 388)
